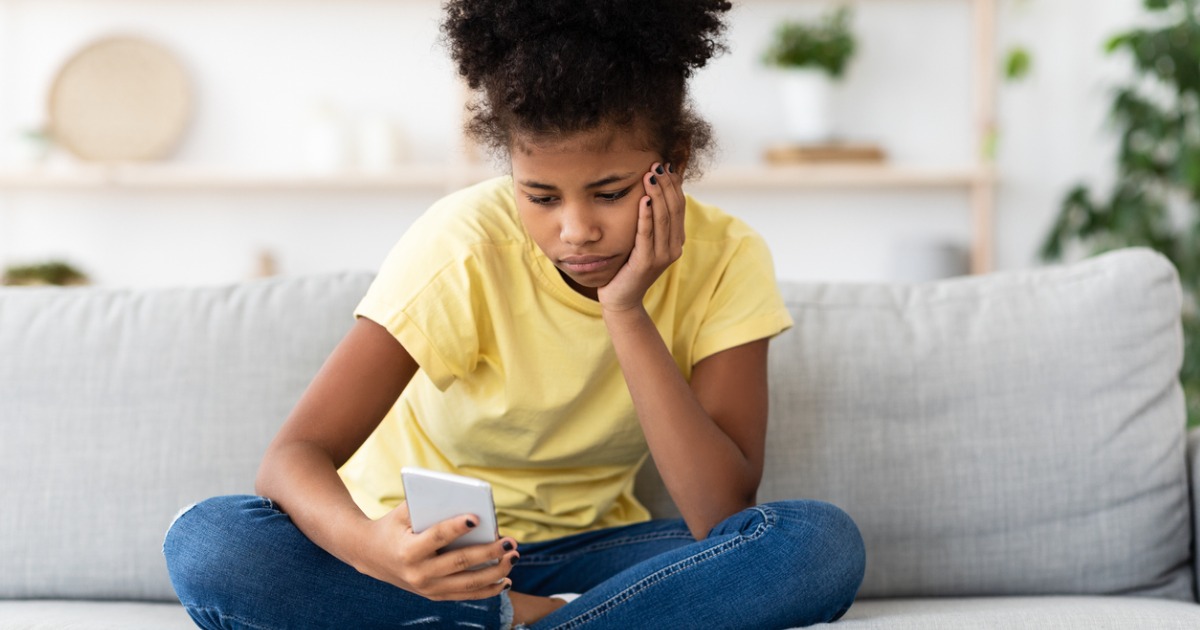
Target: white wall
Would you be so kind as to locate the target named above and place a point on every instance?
(259, 65)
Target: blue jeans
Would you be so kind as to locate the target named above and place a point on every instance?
(239, 562)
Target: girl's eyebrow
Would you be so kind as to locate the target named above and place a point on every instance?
(596, 184)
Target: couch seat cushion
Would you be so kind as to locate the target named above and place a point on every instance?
(1046, 613)
(57, 614)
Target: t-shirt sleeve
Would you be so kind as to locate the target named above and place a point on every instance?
(746, 304)
(423, 295)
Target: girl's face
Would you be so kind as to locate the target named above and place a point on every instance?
(578, 199)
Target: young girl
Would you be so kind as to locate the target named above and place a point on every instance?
(546, 332)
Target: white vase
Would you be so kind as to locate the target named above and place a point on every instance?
(378, 150)
(807, 105)
(326, 147)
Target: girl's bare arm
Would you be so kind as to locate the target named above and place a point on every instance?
(347, 399)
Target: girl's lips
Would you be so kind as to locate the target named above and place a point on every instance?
(586, 264)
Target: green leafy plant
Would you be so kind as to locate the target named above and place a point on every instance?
(53, 272)
(828, 44)
(1158, 116)
(1018, 63)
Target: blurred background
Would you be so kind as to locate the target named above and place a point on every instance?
(173, 142)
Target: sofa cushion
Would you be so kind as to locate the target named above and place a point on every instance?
(1193, 449)
(1000, 613)
(52, 614)
(1015, 433)
(1005, 613)
(118, 407)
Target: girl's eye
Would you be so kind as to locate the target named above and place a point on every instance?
(614, 196)
(606, 197)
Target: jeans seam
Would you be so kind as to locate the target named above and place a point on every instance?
(769, 519)
(224, 616)
(536, 558)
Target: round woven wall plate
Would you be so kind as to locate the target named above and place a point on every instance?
(120, 98)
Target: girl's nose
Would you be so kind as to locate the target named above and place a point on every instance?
(577, 227)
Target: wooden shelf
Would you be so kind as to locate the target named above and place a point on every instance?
(978, 180)
(190, 178)
(844, 176)
(435, 177)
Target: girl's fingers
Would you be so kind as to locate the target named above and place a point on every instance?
(662, 214)
(678, 204)
(491, 591)
(444, 533)
(452, 562)
(644, 246)
(487, 580)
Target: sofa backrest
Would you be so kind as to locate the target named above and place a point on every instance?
(1021, 432)
(102, 390)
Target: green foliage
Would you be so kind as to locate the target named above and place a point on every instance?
(1158, 115)
(828, 44)
(52, 272)
(1018, 64)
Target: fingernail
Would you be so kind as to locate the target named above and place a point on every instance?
(470, 523)
(658, 169)
(507, 585)
(507, 546)
(671, 167)
(653, 180)
(513, 559)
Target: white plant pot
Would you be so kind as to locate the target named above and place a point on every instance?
(326, 144)
(378, 150)
(807, 105)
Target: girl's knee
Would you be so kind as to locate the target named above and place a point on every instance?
(192, 522)
(836, 523)
(197, 542)
(823, 530)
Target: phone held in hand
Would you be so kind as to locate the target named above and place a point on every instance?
(437, 496)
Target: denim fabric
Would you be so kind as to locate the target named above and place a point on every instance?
(238, 562)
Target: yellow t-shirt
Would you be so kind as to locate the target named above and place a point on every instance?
(519, 384)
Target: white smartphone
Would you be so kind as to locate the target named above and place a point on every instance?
(436, 496)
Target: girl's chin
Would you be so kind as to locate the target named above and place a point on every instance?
(587, 283)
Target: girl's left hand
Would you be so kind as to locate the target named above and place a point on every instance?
(659, 240)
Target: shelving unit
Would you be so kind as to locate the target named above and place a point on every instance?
(133, 177)
(978, 179)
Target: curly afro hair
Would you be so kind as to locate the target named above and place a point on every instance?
(546, 69)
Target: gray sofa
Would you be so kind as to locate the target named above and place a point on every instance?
(1012, 446)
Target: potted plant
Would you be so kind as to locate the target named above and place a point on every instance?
(1157, 114)
(53, 272)
(810, 57)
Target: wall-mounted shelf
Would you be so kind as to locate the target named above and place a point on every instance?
(433, 177)
(977, 180)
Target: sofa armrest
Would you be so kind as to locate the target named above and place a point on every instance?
(1193, 448)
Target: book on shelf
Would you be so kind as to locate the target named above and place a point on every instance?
(825, 153)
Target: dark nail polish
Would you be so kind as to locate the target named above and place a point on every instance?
(653, 180)
(658, 169)
(507, 546)
(507, 585)
(671, 167)
(513, 559)
(470, 523)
